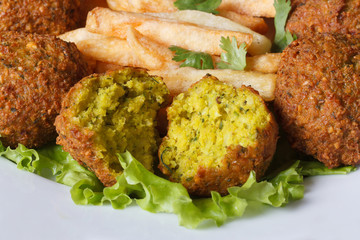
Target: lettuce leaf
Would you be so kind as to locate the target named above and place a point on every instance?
(155, 194)
(50, 162)
(315, 168)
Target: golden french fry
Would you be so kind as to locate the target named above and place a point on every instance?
(165, 31)
(136, 51)
(80, 34)
(152, 54)
(102, 67)
(142, 5)
(259, 45)
(179, 80)
(258, 8)
(266, 63)
(111, 50)
(256, 24)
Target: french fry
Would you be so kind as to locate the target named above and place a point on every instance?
(258, 8)
(111, 50)
(102, 67)
(79, 35)
(254, 23)
(136, 51)
(165, 31)
(259, 45)
(152, 54)
(266, 63)
(179, 80)
(142, 6)
(84, 41)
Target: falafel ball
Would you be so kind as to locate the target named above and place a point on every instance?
(217, 135)
(317, 97)
(106, 114)
(333, 16)
(39, 16)
(36, 71)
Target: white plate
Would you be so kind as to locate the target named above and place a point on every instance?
(32, 207)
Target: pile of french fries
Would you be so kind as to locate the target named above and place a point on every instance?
(138, 33)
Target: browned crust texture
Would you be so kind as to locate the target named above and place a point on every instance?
(78, 141)
(35, 74)
(39, 16)
(333, 16)
(317, 97)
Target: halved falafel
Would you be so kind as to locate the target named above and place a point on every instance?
(106, 114)
(217, 135)
(36, 71)
(39, 16)
(317, 97)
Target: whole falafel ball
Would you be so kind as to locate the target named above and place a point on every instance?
(39, 16)
(36, 71)
(217, 135)
(319, 16)
(317, 97)
(110, 113)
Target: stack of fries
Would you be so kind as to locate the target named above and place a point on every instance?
(138, 33)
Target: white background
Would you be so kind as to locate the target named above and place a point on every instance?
(32, 207)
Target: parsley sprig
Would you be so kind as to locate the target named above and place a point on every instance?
(209, 6)
(234, 57)
(282, 37)
(198, 60)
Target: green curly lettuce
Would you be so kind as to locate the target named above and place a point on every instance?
(49, 162)
(155, 194)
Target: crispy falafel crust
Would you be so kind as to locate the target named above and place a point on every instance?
(333, 16)
(39, 16)
(36, 72)
(318, 97)
(236, 164)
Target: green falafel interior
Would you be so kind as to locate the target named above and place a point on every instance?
(217, 135)
(121, 111)
(210, 119)
(112, 113)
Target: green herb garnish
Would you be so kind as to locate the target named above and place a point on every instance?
(200, 5)
(235, 57)
(282, 37)
(198, 60)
